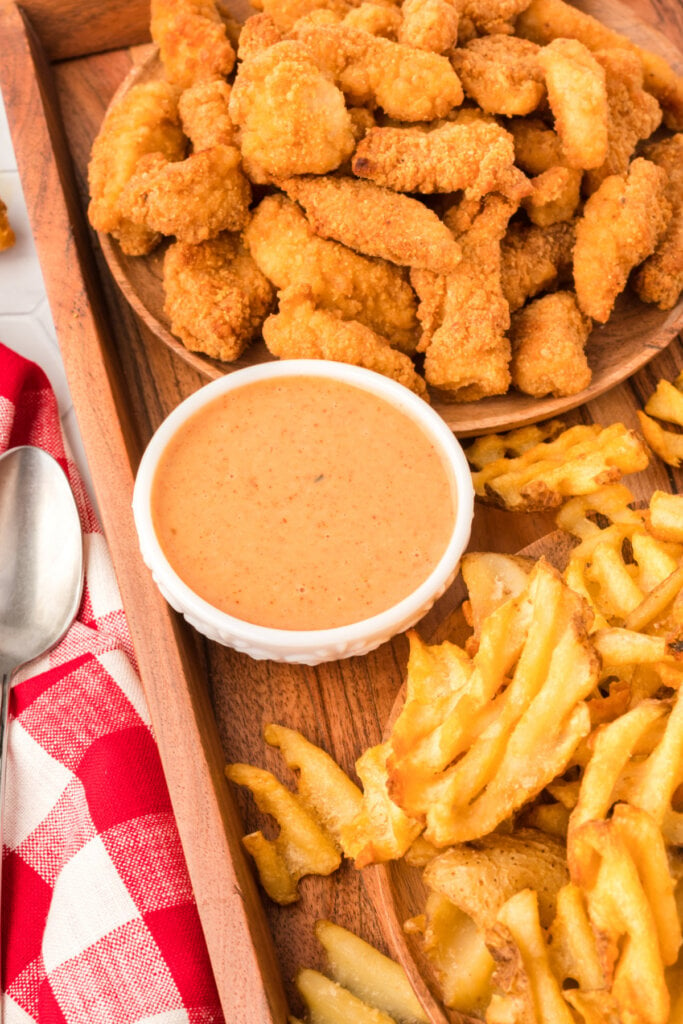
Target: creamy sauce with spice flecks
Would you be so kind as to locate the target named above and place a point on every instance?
(302, 503)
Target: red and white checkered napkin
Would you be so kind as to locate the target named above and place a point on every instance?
(99, 924)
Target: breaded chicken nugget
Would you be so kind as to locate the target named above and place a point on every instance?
(376, 221)
(632, 113)
(7, 236)
(535, 260)
(377, 19)
(372, 291)
(577, 94)
(476, 157)
(408, 84)
(429, 25)
(216, 296)
(501, 73)
(205, 116)
(193, 199)
(293, 119)
(192, 40)
(286, 13)
(621, 225)
(465, 315)
(660, 279)
(144, 121)
(259, 31)
(544, 20)
(301, 331)
(491, 17)
(537, 146)
(555, 197)
(548, 339)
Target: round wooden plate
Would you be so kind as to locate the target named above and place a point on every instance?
(395, 888)
(634, 335)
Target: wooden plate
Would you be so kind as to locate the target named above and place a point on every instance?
(396, 889)
(635, 333)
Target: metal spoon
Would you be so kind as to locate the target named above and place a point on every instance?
(41, 567)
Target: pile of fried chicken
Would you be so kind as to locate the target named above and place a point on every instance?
(449, 192)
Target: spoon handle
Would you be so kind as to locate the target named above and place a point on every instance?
(4, 714)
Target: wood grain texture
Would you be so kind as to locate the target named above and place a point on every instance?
(209, 704)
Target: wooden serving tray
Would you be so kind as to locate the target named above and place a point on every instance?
(62, 61)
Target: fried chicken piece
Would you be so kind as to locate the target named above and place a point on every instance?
(545, 20)
(258, 33)
(492, 17)
(144, 121)
(286, 13)
(476, 157)
(299, 330)
(464, 314)
(501, 73)
(660, 279)
(429, 25)
(537, 147)
(372, 291)
(535, 260)
(192, 40)
(408, 84)
(205, 116)
(548, 339)
(577, 95)
(377, 19)
(293, 119)
(555, 197)
(632, 113)
(7, 236)
(216, 296)
(193, 199)
(376, 221)
(621, 225)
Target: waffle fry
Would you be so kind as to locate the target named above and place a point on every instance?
(666, 404)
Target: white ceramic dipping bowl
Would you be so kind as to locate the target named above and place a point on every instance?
(308, 647)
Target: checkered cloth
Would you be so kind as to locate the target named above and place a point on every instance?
(99, 924)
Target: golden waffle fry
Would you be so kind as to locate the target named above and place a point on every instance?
(665, 519)
(492, 447)
(664, 443)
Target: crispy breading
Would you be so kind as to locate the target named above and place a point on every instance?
(621, 225)
(544, 20)
(429, 25)
(192, 40)
(193, 199)
(577, 95)
(216, 296)
(376, 221)
(407, 83)
(555, 196)
(259, 31)
(293, 119)
(464, 315)
(477, 158)
(377, 19)
(548, 338)
(535, 260)
(300, 330)
(660, 279)
(370, 290)
(144, 121)
(490, 17)
(286, 13)
(501, 73)
(632, 113)
(537, 146)
(205, 116)
(7, 236)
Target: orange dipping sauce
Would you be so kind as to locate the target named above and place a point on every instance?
(301, 503)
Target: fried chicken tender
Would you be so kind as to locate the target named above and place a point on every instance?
(544, 20)
(286, 13)
(259, 31)
(555, 197)
(192, 40)
(621, 225)
(632, 113)
(7, 236)
(429, 25)
(464, 315)
(293, 119)
(408, 84)
(535, 260)
(577, 95)
(537, 147)
(299, 330)
(205, 115)
(492, 17)
(378, 19)
(476, 157)
(548, 339)
(660, 279)
(501, 73)
(376, 221)
(216, 296)
(193, 199)
(371, 291)
(144, 121)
